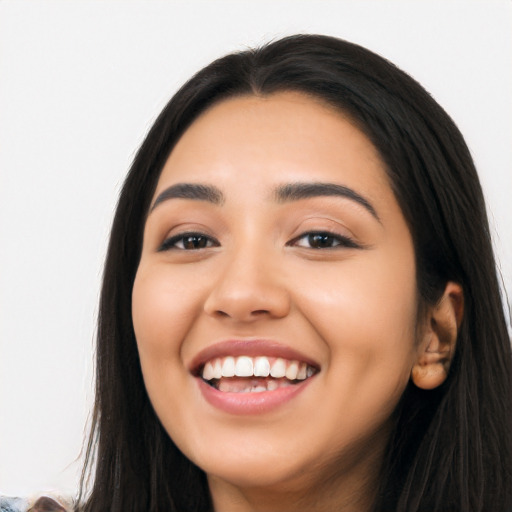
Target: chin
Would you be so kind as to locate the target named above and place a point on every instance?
(254, 474)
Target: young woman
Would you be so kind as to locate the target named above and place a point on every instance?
(300, 308)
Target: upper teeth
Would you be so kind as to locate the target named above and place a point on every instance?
(261, 366)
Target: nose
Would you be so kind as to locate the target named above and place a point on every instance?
(249, 287)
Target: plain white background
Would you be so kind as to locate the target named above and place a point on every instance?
(80, 84)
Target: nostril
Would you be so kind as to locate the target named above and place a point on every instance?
(248, 300)
(251, 314)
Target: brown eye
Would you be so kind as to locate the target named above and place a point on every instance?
(188, 242)
(321, 241)
(194, 242)
(324, 240)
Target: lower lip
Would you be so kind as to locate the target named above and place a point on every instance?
(250, 403)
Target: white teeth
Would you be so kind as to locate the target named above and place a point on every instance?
(217, 369)
(243, 367)
(292, 370)
(208, 372)
(278, 369)
(261, 367)
(258, 389)
(228, 368)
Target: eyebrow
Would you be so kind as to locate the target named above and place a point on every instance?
(298, 191)
(195, 191)
(282, 194)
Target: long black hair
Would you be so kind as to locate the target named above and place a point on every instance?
(451, 449)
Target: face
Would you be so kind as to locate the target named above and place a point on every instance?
(275, 301)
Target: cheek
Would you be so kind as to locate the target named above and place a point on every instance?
(367, 319)
(162, 308)
(371, 294)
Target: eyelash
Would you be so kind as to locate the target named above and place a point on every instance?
(322, 237)
(171, 243)
(325, 237)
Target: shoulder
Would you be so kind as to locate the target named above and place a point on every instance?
(40, 503)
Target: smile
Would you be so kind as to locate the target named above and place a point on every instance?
(246, 374)
(247, 377)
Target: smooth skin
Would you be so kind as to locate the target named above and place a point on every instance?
(251, 270)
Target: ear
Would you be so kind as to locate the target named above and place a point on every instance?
(438, 339)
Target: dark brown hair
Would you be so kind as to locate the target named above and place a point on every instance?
(451, 449)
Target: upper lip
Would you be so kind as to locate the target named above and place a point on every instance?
(253, 347)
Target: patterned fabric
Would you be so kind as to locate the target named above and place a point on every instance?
(38, 504)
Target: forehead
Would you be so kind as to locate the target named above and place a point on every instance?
(280, 138)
